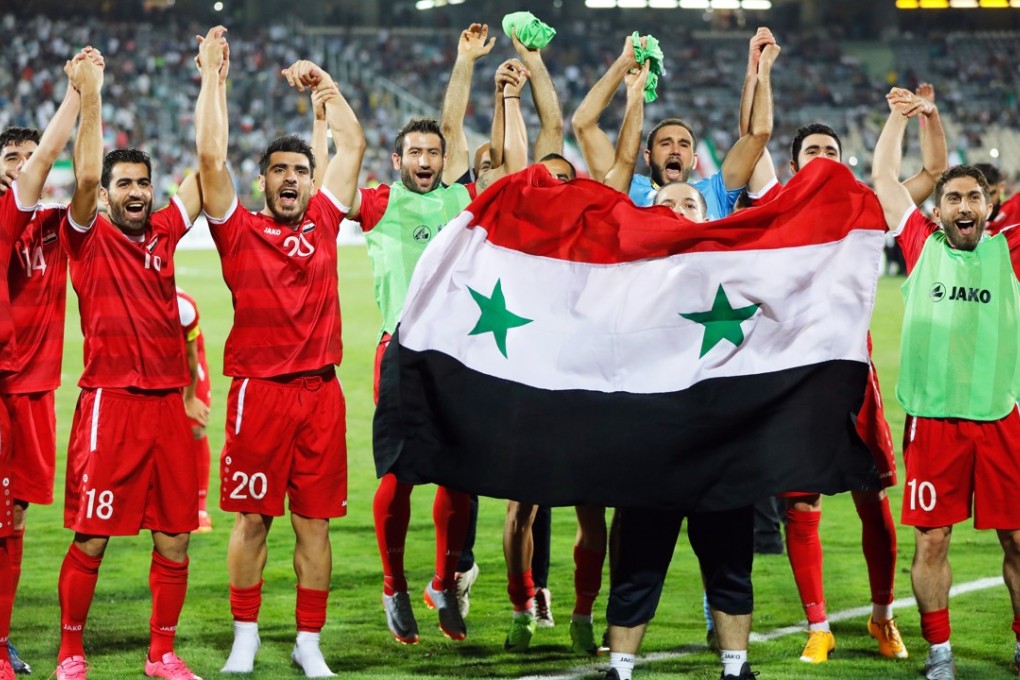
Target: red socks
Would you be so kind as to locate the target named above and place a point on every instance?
(75, 587)
(7, 587)
(168, 581)
(521, 589)
(1016, 627)
(587, 578)
(392, 509)
(310, 610)
(935, 626)
(245, 603)
(878, 538)
(450, 513)
(805, 551)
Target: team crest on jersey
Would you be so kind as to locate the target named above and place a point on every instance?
(308, 227)
(421, 233)
(151, 245)
(49, 238)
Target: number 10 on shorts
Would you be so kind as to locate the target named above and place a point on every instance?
(922, 495)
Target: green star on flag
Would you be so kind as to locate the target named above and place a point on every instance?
(722, 322)
(495, 318)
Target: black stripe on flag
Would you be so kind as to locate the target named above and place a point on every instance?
(721, 444)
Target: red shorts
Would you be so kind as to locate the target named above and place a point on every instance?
(285, 437)
(874, 430)
(955, 464)
(34, 442)
(130, 464)
(7, 508)
(380, 349)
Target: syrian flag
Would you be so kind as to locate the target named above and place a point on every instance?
(561, 346)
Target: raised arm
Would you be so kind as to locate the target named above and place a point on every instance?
(596, 148)
(474, 44)
(764, 172)
(320, 142)
(628, 144)
(87, 78)
(54, 139)
(934, 153)
(885, 166)
(543, 92)
(511, 77)
(211, 128)
(741, 159)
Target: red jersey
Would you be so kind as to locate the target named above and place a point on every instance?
(769, 192)
(1007, 216)
(915, 228)
(38, 285)
(283, 280)
(13, 220)
(128, 301)
(189, 325)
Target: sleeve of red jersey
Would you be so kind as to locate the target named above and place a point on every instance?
(472, 190)
(373, 205)
(189, 318)
(768, 192)
(75, 237)
(913, 230)
(14, 217)
(172, 220)
(334, 211)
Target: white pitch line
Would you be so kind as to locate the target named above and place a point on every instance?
(857, 612)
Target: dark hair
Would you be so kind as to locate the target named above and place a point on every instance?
(426, 126)
(286, 144)
(812, 129)
(123, 156)
(666, 123)
(18, 135)
(990, 172)
(701, 196)
(961, 171)
(558, 157)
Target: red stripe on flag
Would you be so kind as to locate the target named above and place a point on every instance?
(584, 221)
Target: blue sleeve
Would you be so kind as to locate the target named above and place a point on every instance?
(641, 191)
(720, 200)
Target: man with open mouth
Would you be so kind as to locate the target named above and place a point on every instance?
(959, 375)
(286, 415)
(130, 430)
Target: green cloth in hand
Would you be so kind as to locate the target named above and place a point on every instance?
(651, 51)
(531, 31)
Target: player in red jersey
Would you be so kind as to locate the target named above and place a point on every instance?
(286, 427)
(36, 278)
(804, 510)
(197, 399)
(130, 430)
(1004, 213)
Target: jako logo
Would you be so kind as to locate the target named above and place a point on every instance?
(937, 292)
(963, 294)
(421, 233)
(272, 231)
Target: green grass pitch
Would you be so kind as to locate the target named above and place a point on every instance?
(355, 640)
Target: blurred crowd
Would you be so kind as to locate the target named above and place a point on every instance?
(151, 85)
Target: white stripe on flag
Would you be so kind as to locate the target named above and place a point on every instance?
(240, 406)
(619, 327)
(94, 434)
